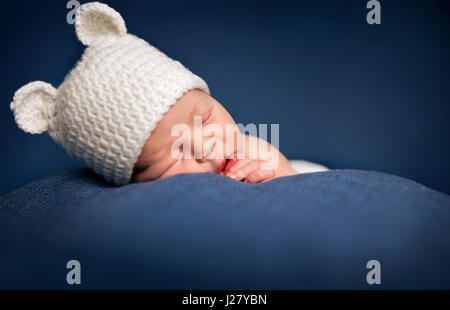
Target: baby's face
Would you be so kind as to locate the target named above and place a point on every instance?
(210, 126)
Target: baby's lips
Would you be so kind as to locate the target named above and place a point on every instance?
(230, 163)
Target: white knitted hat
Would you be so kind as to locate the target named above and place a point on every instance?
(108, 105)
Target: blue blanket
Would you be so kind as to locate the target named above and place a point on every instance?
(205, 231)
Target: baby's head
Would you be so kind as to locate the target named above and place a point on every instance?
(197, 134)
(118, 108)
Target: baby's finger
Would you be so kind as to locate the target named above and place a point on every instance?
(244, 171)
(260, 175)
(239, 164)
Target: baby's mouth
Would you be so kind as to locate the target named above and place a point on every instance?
(229, 162)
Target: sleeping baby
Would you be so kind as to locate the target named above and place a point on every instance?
(134, 114)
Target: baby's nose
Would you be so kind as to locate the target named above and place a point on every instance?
(209, 150)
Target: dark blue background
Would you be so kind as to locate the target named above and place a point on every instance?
(345, 94)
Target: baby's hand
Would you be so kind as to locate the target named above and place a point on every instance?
(251, 171)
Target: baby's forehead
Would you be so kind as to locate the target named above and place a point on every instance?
(181, 113)
(185, 111)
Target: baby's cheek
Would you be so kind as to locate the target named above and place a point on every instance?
(184, 166)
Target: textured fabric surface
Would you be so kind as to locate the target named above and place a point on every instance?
(205, 231)
(108, 105)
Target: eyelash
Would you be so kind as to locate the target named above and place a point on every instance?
(206, 119)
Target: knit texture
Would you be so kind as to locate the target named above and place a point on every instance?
(108, 105)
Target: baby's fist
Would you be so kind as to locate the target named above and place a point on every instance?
(251, 171)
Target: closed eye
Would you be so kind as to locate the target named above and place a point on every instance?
(207, 116)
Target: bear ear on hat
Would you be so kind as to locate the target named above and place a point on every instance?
(97, 21)
(33, 106)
